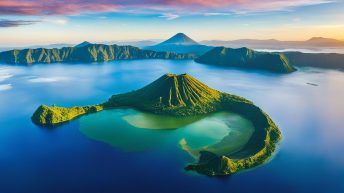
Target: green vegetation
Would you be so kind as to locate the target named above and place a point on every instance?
(247, 58)
(258, 150)
(183, 95)
(170, 94)
(84, 53)
(51, 116)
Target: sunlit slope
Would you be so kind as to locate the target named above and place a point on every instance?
(172, 94)
(50, 116)
(248, 59)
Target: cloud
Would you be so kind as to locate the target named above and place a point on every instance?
(51, 7)
(5, 76)
(57, 21)
(178, 7)
(216, 14)
(47, 79)
(224, 7)
(60, 21)
(15, 23)
(5, 87)
(169, 16)
(280, 5)
(253, 5)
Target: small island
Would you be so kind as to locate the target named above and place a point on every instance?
(183, 95)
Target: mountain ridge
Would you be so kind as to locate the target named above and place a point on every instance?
(314, 42)
(247, 58)
(88, 53)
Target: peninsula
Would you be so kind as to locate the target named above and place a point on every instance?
(183, 95)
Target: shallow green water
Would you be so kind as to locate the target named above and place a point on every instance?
(131, 130)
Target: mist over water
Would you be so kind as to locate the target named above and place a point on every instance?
(306, 50)
(70, 159)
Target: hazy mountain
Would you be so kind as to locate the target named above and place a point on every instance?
(140, 43)
(85, 43)
(315, 42)
(247, 58)
(179, 39)
(325, 42)
(49, 46)
(180, 43)
(87, 53)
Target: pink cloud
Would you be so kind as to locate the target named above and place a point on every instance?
(50, 7)
(203, 3)
(242, 5)
(70, 7)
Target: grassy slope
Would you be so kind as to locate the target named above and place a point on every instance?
(170, 94)
(51, 116)
(258, 150)
(247, 58)
(183, 95)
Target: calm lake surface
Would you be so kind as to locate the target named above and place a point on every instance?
(124, 150)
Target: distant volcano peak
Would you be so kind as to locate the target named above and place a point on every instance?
(84, 43)
(179, 39)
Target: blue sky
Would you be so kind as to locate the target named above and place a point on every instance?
(29, 22)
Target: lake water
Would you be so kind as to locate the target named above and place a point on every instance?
(92, 154)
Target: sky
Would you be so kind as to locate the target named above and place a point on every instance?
(35, 22)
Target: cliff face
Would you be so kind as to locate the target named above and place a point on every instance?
(248, 59)
(87, 53)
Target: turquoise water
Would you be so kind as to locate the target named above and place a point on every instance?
(67, 159)
(131, 130)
